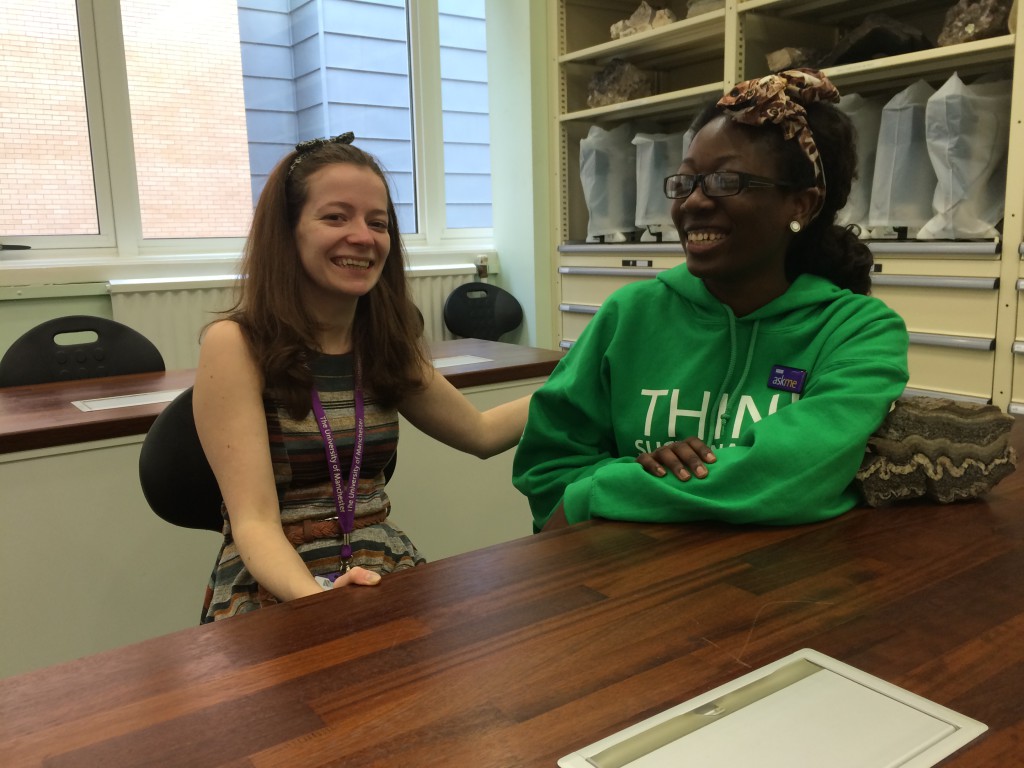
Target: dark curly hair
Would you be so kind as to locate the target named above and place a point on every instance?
(822, 248)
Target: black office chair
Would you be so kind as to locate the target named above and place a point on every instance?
(175, 476)
(481, 311)
(36, 357)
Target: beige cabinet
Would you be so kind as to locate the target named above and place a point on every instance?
(1017, 401)
(961, 300)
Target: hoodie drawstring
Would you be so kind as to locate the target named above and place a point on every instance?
(715, 404)
(731, 407)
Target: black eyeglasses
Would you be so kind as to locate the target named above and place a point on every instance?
(718, 184)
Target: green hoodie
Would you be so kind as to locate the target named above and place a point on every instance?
(798, 386)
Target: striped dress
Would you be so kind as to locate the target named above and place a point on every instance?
(305, 493)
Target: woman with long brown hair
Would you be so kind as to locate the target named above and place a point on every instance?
(298, 390)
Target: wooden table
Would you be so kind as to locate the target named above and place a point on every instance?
(42, 415)
(517, 654)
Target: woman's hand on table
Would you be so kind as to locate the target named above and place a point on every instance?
(684, 458)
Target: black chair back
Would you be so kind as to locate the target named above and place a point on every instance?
(37, 358)
(176, 477)
(481, 311)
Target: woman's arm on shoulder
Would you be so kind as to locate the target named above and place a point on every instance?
(232, 427)
(443, 412)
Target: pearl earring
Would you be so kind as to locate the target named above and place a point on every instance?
(795, 226)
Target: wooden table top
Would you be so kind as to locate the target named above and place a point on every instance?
(517, 654)
(42, 415)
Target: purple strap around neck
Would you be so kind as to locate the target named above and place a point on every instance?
(344, 494)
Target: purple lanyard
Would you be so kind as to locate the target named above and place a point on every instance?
(344, 495)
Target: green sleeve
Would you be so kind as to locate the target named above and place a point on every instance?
(568, 435)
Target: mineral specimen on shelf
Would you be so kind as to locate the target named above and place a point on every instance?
(619, 81)
(877, 36)
(697, 7)
(974, 20)
(644, 18)
(938, 449)
(791, 58)
(663, 16)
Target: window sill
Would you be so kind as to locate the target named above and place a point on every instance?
(55, 268)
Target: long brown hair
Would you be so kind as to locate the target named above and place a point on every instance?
(387, 330)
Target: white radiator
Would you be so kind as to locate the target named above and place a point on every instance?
(172, 312)
(430, 287)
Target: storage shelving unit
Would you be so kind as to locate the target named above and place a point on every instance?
(963, 301)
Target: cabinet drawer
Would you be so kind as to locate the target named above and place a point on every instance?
(592, 285)
(574, 320)
(952, 305)
(1020, 309)
(649, 255)
(950, 369)
(1017, 395)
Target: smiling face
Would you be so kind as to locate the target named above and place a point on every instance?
(342, 236)
(737, 244)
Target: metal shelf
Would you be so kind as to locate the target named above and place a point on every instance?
(612, 271)
(930, 281)
(674, 248)
(838, 11)
(989, 248)
(890, 71)
(675, 43)
(662, 104)
(957, 342)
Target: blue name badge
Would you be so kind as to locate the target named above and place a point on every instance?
(787, 379)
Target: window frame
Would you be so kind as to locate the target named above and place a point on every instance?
(120, 251)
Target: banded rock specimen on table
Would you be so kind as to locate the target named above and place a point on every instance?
(938, 449)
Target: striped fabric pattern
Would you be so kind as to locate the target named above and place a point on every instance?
(304, 490)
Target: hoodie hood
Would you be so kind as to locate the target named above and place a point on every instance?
(741, 337)
(807, 292)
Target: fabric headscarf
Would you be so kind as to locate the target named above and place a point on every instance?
(781, 99)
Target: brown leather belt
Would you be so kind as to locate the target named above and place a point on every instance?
(311, 530)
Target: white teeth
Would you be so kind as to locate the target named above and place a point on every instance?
(357, 263)
(703, 237)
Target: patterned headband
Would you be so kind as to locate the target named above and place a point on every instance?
(781, 99)
(304, 148)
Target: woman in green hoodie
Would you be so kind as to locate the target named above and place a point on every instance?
(756, 371)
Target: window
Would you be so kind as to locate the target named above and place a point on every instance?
(216, 92)
(467, 157)
(184, 72)
(46, 168)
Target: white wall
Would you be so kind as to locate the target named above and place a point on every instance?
(521, 159)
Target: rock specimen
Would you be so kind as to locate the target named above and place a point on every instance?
(644, 18)
(876, 37)
(619, 81)
(974, 20)
(937, 449)
(697, 7)
(792, 58)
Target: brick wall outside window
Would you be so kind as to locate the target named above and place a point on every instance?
(188, 116)
(46, 184)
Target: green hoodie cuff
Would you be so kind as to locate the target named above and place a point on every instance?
(577, 500)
